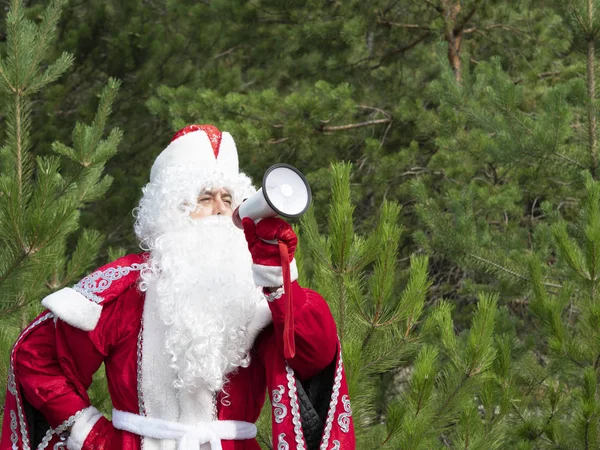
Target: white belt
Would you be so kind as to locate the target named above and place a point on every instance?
(190, 437)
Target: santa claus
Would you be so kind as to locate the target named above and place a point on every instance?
(190, 331)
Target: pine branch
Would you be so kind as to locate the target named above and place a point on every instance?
(453, 394)
(18, 143)
(572, 161)
(438, 8)
(402, 25)
(354, 125)
(591, 91)
(13, 267)
(401, 49)
(278, 141)
(460, 27)
(578, 18)
(494, 26)
(8, 83)
(510, 272)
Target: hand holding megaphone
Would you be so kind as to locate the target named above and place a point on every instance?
(284, 192)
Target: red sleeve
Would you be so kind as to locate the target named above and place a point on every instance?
(103, 436)
(314, 331)
(55, 365)
(48, 375)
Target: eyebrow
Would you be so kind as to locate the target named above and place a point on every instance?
(225, 194)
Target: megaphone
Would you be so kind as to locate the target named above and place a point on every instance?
(284, 192)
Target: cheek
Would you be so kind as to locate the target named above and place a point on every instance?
(200, 212)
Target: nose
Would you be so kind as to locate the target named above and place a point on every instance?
(221, 208)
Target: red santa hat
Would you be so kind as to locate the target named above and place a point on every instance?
(199, 147)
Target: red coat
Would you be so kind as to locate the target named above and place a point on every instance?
(52, 365)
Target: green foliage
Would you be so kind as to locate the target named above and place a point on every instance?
(41, 195)
(467, 123)
(382, 329)
(519, 217)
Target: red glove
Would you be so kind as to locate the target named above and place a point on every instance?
(268, 269)
(266, 257)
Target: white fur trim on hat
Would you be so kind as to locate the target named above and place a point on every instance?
(272, 276)
(82, 427)
(194, 150)
(227, 161)
(72, 307)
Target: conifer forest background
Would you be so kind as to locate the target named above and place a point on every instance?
(452, 150)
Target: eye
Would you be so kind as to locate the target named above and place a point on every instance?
(228, 201)
(205, 198)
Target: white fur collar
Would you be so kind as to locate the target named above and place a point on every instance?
(262, 318)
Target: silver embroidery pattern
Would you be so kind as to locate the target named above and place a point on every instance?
(63, 441)
(279, 409)
(332, 405)
(141, 406)
(12, 387)
(59, 430)
(344, 418)
(99, 281)
(281, 443)
(215, 409)
(295, 410)
(14, 438)
(275, 295)
(336, 445)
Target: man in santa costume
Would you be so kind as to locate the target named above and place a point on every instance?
(191, 332)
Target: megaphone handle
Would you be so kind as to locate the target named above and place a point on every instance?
(289, 344)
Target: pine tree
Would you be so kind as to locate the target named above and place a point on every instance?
(384, 331)
(42, 246)
(270, 73)
(510, 158)
(521, 217)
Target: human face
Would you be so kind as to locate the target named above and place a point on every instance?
(215, 202)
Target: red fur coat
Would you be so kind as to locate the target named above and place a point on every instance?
(103, 319)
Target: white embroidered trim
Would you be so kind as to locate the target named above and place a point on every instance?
(12, 388)
(336, 445)
(89, 286)
(281, 442)
(59, 430)
(295, 410)
(332, 404)
(344, 418)
(279, 409)
(275, 295)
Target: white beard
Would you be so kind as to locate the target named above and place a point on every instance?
(206, 298)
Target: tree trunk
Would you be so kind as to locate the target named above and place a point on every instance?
(453, 35)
